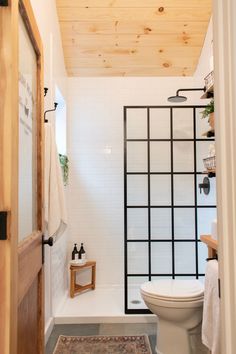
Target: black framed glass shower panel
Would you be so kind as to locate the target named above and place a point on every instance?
(160, 162)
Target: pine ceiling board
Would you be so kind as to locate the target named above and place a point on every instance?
(134, 27)
(173, 14)
(153, 53)
(133, 37)
(111, 62)
(134, 3)
(96, 41)
(130, 71)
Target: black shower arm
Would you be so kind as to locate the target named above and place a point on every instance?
(50, 110)
(191, 89)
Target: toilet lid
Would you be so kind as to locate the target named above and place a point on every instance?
(175, 289)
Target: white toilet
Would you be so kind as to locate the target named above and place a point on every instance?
(178, 305)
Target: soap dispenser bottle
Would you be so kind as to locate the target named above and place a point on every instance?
(74, 252)
(82, 253)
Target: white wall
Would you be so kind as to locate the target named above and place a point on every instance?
(54, 75)
(95, 128)
(205, 64)
(96, 178)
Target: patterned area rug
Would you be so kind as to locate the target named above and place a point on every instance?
(103, 345)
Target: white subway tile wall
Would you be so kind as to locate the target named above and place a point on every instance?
(96, 187)
(137, 223)
(59, 269)
(161, 223)
(184, 220)
(137, 156)
(182, 123)
(160, 156)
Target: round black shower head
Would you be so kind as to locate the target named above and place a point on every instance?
(177, 99)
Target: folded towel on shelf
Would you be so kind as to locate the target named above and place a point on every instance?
(55, 209)
(211, 309)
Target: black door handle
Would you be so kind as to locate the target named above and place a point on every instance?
(48, 242)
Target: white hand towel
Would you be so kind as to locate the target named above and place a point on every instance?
(211, 309)
(55, 210)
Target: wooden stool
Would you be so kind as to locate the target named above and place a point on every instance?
(76, 288)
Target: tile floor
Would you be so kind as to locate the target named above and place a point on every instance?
(102, 329)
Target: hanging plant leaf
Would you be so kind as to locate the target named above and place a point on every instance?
(64, 161)
(208, 109)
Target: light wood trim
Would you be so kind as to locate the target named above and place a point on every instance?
(30, 22)
(35, 240)
(8, 174)
(209, 241)
(9, 95)
(225, 128)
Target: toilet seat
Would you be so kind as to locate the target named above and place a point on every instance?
(174, 290)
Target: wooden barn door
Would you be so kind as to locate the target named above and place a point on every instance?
(21, 181)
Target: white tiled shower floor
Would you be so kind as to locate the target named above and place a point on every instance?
(100, 306)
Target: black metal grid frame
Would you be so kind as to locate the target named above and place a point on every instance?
(195, 173)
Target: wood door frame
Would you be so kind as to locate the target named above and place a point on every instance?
(224, 13)
(9, 100)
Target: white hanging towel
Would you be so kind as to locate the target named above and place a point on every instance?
(211, 309)
(55, 209)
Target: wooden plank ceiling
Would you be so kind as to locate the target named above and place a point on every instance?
(133, 37)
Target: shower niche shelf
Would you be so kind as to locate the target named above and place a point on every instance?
(209, 85)
(211, 243)
(208, 93)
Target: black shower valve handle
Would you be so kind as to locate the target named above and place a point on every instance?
(202, 186)
(205, 186)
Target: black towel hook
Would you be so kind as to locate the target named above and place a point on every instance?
(45, 91)
(50, 110)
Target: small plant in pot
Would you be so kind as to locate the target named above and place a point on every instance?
(209, 112)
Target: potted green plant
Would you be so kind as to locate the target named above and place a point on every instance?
(65, 168)
(209, 112)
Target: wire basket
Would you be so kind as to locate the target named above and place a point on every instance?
(209, 80)
(210, 163)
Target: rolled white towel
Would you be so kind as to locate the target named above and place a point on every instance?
(211, 309)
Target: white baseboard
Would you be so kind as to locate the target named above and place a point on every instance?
(48, 329)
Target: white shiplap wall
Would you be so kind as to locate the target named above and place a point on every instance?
(95, 148)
